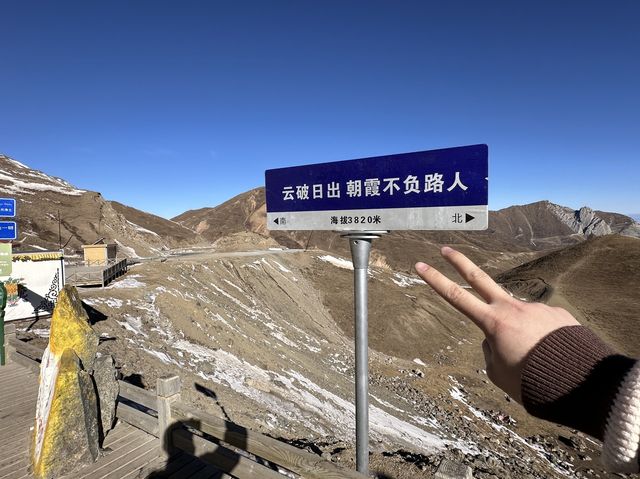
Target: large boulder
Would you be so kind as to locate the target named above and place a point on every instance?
(69, 435)
(66, 433)
(106, 379)
(70, 328)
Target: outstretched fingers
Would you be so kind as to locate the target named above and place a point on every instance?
(478, 311)
(476, 277)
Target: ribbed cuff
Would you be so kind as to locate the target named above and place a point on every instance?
(571, 377)
(622, 434)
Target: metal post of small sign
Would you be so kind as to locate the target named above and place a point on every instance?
(8, 231)
(360, 244)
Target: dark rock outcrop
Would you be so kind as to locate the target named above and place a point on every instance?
(105, 377)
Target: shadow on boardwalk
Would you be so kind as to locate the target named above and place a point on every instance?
(189, 460)
(196, 455)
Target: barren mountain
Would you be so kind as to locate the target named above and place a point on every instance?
(544, 225)
(514, 235)
(52, 212)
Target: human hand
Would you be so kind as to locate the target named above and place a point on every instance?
(512, 328)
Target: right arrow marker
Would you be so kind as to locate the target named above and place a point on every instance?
(468, 217)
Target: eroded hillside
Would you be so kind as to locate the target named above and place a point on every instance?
(53, 213)
(263, 339)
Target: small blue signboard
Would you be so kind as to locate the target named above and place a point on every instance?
(426, 190)
(7, 208)
(8, 230)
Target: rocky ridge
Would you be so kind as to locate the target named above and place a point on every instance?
(587, 222)
(584, 221)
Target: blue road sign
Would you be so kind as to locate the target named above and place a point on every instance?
(7, 208)
(426, 190)
(8, 230)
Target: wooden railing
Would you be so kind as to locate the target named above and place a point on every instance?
(277, 452)
(100, 262)
(21, 352)
(100, 277)
(225, 445)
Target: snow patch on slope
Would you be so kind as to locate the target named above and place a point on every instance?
(129, 282)
(130, 252)
(339, 262)
(141, 229)
(19, 186)
(405, 281)
(292, 395)
(457, 393)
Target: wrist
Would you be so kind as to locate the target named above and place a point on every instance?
(571, 377)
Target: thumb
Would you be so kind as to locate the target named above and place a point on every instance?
(488, 358)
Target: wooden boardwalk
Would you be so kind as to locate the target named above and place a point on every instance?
(128, 452)
(206, 445)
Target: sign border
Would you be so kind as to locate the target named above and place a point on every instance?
(15, 205)
(425, 211)
(15, 230)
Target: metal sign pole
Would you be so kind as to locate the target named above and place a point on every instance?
(3, 303)
(360, 243)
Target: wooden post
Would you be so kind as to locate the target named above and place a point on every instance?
(3, 342)
(9, 333)
(168, 391)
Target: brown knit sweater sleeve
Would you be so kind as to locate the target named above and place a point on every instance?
(571, 377)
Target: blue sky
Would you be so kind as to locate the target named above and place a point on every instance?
(170, 106)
